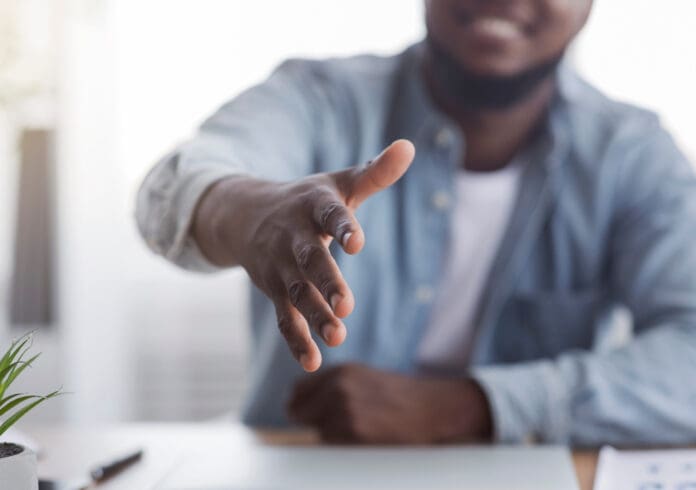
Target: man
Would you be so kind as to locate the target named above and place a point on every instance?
(461, 292)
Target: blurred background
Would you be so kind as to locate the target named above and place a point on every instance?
(92, 92)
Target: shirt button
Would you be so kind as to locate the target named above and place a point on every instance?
(443, 137)
(424, 294)
(441, 200)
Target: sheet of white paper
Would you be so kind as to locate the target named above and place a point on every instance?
(257, 467)
(671, 469)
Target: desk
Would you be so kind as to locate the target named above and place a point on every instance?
(69, 452)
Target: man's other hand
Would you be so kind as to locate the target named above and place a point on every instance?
(354, 403)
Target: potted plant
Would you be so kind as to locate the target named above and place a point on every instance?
(17, 463)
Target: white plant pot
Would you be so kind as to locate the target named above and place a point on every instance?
(18, 472)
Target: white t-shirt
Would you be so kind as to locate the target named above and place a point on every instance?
(484, 203)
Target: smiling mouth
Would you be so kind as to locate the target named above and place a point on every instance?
(494, 31)
(496, 27)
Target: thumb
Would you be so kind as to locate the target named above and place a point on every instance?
(382, 172)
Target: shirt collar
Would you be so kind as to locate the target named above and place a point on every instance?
(416, 117)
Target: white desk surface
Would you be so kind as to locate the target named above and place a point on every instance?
(69, 452)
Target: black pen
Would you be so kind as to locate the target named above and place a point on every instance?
(97, 475)
(105, 471)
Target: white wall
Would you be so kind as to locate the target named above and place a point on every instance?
(644, 52)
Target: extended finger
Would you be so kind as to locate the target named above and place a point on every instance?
(295, 330)
(316, 263)
(309, 302)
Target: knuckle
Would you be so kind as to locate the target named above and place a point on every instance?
(286, 326)
(307, 255)
(315, 318)
(326, 286)
(331, 213)
(297, 290)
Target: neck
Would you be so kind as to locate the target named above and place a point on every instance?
(493, 135)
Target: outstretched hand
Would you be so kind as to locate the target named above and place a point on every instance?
(280, 233)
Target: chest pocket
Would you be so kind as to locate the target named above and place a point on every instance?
(542, 324)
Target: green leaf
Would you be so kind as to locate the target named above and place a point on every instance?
(6, 371)
(12, 364)
(24, 410)
(6, 357)
(18, 401)
(8, 398)
(16, 372)
(11, 353)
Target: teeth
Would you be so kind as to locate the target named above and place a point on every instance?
(497, 26)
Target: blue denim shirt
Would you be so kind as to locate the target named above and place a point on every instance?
(605, 217)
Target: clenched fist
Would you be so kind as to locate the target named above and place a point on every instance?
(354, 403)
(280, 234)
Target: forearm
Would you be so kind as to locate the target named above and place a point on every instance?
(641, 393)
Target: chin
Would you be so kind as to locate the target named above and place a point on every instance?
(493, 67)
(491, 61)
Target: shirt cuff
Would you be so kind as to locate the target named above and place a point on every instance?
(529, 402)
(184, 250)
(165, 210)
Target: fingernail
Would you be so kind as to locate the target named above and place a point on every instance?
(335, 299)
(346, 237)
(326, 331)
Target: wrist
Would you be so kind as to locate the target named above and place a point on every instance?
(460, 412)
(481, 417)
(218, 226)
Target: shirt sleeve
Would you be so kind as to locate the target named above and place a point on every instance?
(643, 392)
(269, 131)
